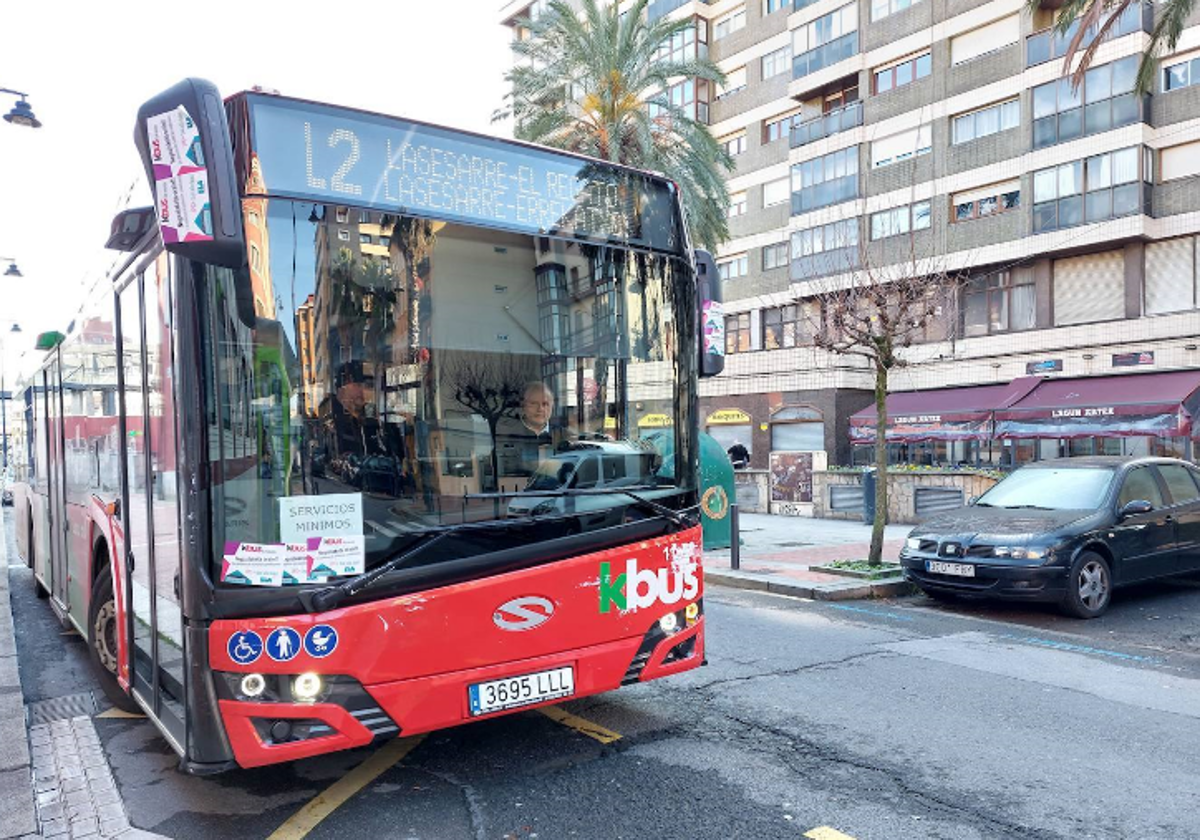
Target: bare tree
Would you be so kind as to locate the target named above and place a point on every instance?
(492, 386)
(887, 304)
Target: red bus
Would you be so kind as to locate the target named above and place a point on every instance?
(351, 444)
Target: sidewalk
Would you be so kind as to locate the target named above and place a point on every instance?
(17, 815)
(778, 553)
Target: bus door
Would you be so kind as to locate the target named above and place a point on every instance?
(150, 509)
(56, 500)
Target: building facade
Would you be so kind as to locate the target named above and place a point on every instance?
(868, 130)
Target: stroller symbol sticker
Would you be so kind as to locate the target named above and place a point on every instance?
(245, 647)
(320, 641)
(283, 644)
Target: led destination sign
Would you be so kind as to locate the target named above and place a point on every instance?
(348, 157)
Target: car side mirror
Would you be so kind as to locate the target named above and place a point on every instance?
(971, 501)
(1136, 508)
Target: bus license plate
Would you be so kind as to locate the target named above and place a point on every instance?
(959, 569)
(511, 692)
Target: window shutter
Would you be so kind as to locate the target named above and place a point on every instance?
(985, 39)
(1089, 288)
(1181, 161)
(1170, 275)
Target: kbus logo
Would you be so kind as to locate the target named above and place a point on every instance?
(633, 589)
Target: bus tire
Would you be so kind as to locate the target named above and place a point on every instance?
(102, 642)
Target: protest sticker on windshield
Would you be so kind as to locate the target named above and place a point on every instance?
(336, 556)
(302, 518)
(252, 564)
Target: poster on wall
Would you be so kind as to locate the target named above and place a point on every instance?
(791, 476)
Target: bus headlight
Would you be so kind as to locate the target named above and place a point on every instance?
(253, 685)
(668, 623)
(306, 687)
(692, 611)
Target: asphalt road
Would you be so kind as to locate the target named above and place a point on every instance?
(882, 720)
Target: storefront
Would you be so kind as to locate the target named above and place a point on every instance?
(1034, 419)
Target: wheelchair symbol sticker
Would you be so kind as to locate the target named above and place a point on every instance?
(283, 644)
(245, 647)
(320, 641)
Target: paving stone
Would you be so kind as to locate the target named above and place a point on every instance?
(111, 828)
(54, 811)
(55, 828)
(106, 797)
(81, 796)
(82, 825)
(17, 817)
(72, 783)
(113, 811)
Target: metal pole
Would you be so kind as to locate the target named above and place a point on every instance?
(735, 534)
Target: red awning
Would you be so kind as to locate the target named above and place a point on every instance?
(948, 414)
(1160, 404)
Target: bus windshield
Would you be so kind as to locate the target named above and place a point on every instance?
(404, 374)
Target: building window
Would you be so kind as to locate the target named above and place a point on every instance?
(984, 40)
(679, 47)
(778, 128)
(737, 205)
(772, 6)
(1105, 100)
(344, 235)
(364, 238)
(775, 256)
(364, 217)
(882, 8)
(789, 326)
(903, 73)
(1181, 74)
(990, 120)
(776, 192)
(737, 333)
(1003, 301)
(735, 80)
(255, 258)
(774, 63)
(899, 220)
(902, 146)
(735, 145)
(986, 201)
(342, 215)
(835, 236)
(1182, 161)
(730, 23)
(734, 267)
(825, 41)
(1101, 187)
(826, 180)
(385, 241)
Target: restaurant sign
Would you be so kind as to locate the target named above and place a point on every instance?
(1044, 366)
(728, 417)
(1145, 357)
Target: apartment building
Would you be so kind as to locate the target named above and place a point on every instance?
(870, 129)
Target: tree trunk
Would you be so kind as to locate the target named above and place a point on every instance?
(875, 557)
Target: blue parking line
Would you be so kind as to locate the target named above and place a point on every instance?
(877, 613)
(1073, 648)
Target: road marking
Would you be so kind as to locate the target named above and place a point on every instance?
(580, 725)
(874, 612)
(120, 714)
(1074, 648)
(387, 532)
(824, 832)
(299, 824)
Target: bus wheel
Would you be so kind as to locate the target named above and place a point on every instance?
(102, 639)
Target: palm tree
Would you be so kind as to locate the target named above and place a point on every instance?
(1100, 16)
(589, 83)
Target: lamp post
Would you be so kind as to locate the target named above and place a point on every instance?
(21, 113)
(16, 328)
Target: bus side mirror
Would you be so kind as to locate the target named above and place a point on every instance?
(182, 135)
(711, 337)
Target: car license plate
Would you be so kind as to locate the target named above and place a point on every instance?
(511, 692)
(959, 569)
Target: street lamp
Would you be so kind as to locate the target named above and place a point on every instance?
(21, 113)
(13, 271)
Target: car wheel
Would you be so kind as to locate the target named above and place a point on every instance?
(102, 641)
(1089, 586)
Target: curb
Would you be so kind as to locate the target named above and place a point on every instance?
(18, 817)
(840, 591)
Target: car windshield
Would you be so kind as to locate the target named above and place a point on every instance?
(1048, 488)
(403, 375)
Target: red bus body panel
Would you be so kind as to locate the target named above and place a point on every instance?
(417, 654)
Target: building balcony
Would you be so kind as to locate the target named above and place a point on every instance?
(842, 119)
(1049, 44)
(661, 8)
(825, 55)
(824, 194)
(834, 261)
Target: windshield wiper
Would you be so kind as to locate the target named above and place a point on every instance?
(322, 600)
(673, 515)
(1028, 507)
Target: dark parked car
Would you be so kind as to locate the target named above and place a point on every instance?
(1065, 531)
(380, 474)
